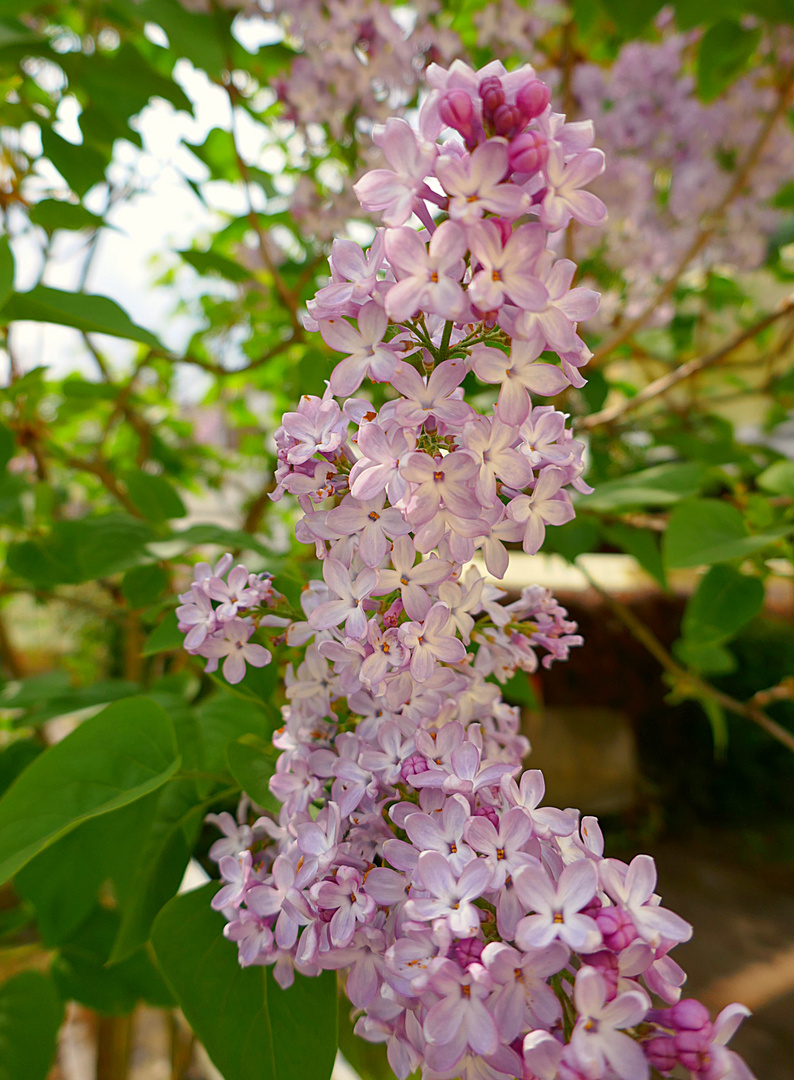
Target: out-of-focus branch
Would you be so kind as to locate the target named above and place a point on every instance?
(710, 223)
(686, 681)
(684, 371)
(287, 296)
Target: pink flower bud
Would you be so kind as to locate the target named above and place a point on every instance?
(532, 98)
(690, 1015)
(528, 152)
(492, 96)
(416, 763)
(468, 951)
(660, 1053)
(456, 109)
(487, 812)
(607, 965)
(616, 927)
(508, 120)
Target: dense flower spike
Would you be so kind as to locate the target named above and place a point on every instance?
(484, 936)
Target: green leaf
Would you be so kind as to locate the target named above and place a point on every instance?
(575, 538)
(82, 550)
(704, 657)
(210, 262)
(81, 166)
(225, 538)
(6, 270)
(252, 764)
(705, 531)
(91, 314)
(143, 585)
(630, 16)
(661, 485)
(83, 973)
(166, 637)
(724, 52)
(223, 719)
(7, 446)
(116, 757)
(62, 899)
(52, 214)
(643, 544)
(723, 602)
(30, 1015)
(15, 758)
(155, 497)
(166, 848)
(778, 478)
(251, 1028)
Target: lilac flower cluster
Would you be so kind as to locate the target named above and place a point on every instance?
(224, 629)
(483, 935)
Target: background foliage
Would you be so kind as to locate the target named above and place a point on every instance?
(154, 453)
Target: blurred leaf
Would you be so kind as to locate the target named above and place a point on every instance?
(91, 314)
(6, 270)
(7, 446)
(114, 758)
(723, 602)
(251, 1028)
(15, 758)
(724, 52)
(143, 585)
(154, 496)
(225, 538)
(661, 485)
(81, 166)
(210, 262)
(202, 39)
(30, 1016)
(704, 531)
(82, 550)
(778, 478)
(643, 544)
(704, 657)
(165, 637)
(630, 16)
(573, 539)
(52, 214)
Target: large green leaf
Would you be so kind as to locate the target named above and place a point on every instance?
(251, 1028)
(91, 314)
(116, 757)
(252, 764)
(161, 862)
(661, 485)
(723, 602)
(30, 1015)
(705, 531)
(724, 52)
(52, 214)
(83, 972)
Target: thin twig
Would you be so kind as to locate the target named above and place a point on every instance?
(709, 225)
(685, 371)
(693, 684)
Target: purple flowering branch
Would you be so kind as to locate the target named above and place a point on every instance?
(484, 936)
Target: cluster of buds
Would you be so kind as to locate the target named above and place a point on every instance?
(484, 936)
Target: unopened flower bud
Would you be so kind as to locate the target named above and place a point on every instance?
(508, 120)
(528, 152)
(660, 1053)
(468, 951)
(532, 98)
(616, 928)
(607, 965)
(690, 1015)
(487, 812)
(456, 109)
(492, 96)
